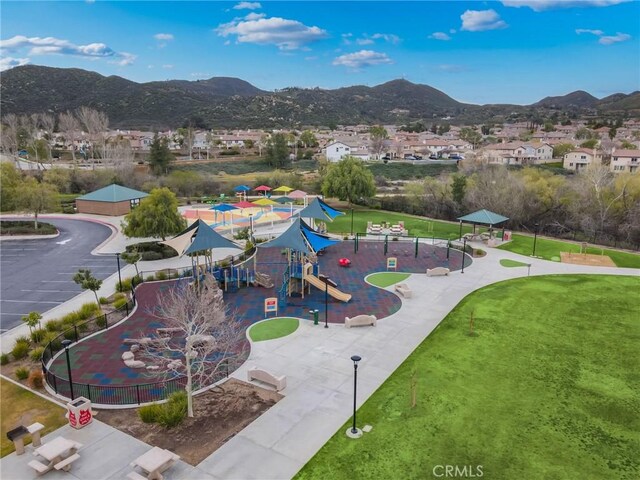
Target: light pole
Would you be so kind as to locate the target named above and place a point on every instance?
(65, 344)
(251, 226)
(326, 304)
(464, 249)
(535, 237)
(119, 276)
(460, 236)
(353, 432)
(352, 221)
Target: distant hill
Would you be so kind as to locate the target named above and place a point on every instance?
(578, 98)
(223, 102)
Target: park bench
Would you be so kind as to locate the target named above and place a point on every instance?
(437, 272)
(39, 467)
(135, 476)
(360, 321)
(279, 383)
(35, 429)
(66, 463)
(404, 290)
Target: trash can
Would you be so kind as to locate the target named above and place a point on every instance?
(79, 412)
(17, 437)
(506, 236)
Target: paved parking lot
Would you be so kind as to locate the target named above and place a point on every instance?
(37, 275)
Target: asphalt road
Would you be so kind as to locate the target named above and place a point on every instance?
(36, 275)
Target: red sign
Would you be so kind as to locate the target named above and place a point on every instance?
(72, 419)
(85, 416)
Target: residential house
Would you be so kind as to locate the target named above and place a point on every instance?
(625, 161)
(581, 158)
(336, 151)
(518, 153)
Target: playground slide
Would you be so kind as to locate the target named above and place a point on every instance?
(334, 292)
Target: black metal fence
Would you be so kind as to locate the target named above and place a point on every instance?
(120, 394)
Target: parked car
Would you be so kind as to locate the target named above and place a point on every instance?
(386, 157)
(410, 157)
(418, 157)
(433, 157)
(455, 157)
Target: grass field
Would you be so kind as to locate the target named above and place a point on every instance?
(386, 279)
(550, 250)
(547, 387)
(274, 328)
(408, 171)
(505, 262)
(419, 226)
(20, 406)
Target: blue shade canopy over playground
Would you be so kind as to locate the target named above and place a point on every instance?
(301, 238)
(199, 237)
(319, 210)
(241, 188)
(483, 217)
(223, 207)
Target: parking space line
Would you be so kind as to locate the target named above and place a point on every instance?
(50, 291)
(30, 301)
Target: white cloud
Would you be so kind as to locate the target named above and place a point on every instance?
(439, 36)
(387, 37)
(247, 6)
(254, 16)
(611, 39)
(346, 37)
(163, 36)
(452, 31)
(285, 34)
(311, 58)
(365, 41)
(167, 66)
(361, 59)
(605, 39)
(481, 20)
(540, 5)
(56, 46)
(10, 62)
(587, 30)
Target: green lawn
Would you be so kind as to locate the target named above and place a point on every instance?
(19, 404)
(418, 226)
(505, 262)
(386, 279)
(550, 250)
(274, 328)
(547, 387)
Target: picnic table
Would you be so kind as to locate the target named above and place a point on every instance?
(59, 452)
(155, 461)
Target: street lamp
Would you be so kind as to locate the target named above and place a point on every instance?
(327, 282)
(352, 221)
(353, 432)
(65, 344)
(119, 276)
(464, 249)
(460, 235)
(535, 237)
(251, 225)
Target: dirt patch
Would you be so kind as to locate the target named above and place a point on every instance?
(219, 414)
(587, 259)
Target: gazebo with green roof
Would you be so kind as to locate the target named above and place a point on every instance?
(482, 217)
(113, 200)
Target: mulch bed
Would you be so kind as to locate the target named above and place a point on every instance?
(219, 414)
(587, 259)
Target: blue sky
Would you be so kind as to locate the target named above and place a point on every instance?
(513, 51)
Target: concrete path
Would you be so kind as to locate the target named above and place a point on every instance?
(319, 394)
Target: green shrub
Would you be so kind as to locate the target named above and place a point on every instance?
(243, 234)
(20, 350)
(121, 302)
(36, 379)
(36, 354)
(126, 284)
(23, 339)
(101, 321)
(22, 373)
(150, 278)
(38, 334)
(174, 411)
(54, 339)
(4, 359)
(161, 275)
(53, 325)
(88, 310)
(103, 300)
(70, 334)
(150, 256)
(70, 318)
(150, 413)
(118, 296)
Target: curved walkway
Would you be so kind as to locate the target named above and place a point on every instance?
(319, 371)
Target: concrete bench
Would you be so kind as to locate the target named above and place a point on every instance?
(437, 272)
(135, 476)
(66, 463)
(39, 467)
(404, 290)
(360, 321)
(280, 383)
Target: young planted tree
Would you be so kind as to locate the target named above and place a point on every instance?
(87, 281)
(208, 339)
(277, 150)
(32, 319)
(37, 197)
(156, 216)
(349, 180)
(378, 135)
(160, 157)
(132, 258)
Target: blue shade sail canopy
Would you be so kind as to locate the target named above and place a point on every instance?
(241, 188)
(301, 238)
(223, 207)
(319, 210)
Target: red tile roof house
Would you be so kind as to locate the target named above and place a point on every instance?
(625, 161)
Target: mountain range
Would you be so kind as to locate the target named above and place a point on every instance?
(224, 102)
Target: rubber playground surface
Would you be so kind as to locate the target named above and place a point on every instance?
(98, 360)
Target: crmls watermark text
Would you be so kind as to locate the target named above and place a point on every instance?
(458, 471)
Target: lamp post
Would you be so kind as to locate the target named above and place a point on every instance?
(65, 344)
(119, 276)
(464, 249)
(535, 237)
(353, 432)
(251, 226)
(460, 235)
(326, 304)
(352, 221)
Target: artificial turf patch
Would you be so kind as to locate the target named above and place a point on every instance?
(505, 262)
(274, 328)
(386, 279)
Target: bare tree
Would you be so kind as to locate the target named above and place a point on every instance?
(11, 133)
(205, 337)
(48, 124)
(30, 124)
(96, 125)
(69, 126)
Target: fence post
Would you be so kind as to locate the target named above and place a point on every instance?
(126, 305)
(89, 391)
(138, 393)
(55, 384)
(416, 253)
(386, 243)
(75, 329)
(106, 323)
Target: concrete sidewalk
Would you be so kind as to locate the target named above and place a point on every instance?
(319, 371)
